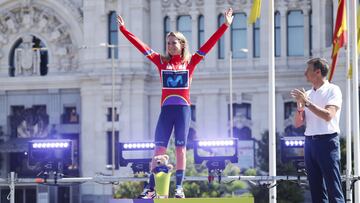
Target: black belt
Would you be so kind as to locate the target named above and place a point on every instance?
(322, 136)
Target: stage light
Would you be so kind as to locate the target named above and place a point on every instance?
(133, 153)
(292, 149)
(215, 153)
(50, 152)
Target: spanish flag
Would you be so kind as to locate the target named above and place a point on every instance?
(255, 11)
(339, 37)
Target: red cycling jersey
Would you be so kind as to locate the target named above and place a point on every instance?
(175, 75)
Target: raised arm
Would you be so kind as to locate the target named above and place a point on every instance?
(141, 46)
(209, 44)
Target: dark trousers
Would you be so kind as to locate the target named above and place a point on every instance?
(173, 116)
(322, 161)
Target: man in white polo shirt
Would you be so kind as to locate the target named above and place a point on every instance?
(319, 109)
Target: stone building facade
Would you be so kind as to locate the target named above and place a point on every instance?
(62, 85)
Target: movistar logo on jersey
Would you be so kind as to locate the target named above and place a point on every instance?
(175, 79)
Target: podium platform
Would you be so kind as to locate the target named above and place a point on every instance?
(242, 199)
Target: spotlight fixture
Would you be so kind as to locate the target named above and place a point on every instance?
(292, 148)
(133, 152)
(50, 151)
(215, 153)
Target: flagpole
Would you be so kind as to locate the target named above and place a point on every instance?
(355, 95)
(272, 118)
(348, 113)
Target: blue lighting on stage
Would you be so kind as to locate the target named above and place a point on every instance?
(133, 153)
(51, 152)
(216, 153)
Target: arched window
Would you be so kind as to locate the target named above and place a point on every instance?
(166, 30)
(295, 32)
(277, 34)
(184, 26)
(221, 43)
(256, 39)
(239, 35)
(113, 34)
(201, 31)
(329, 16)
(28, 56)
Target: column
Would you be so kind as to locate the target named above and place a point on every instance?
(306, 33)
(194, 30)
(139, 24)
(249, 33)
(93, 140)
(95, 29)
(283, 33)
(54, 108)
(209, 119)
(156, 29)
(210, 25)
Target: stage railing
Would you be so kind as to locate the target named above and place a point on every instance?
(12, 181)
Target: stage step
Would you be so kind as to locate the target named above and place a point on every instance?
(242, 199)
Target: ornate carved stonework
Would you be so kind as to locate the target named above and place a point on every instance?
(183, 1)
(289, 1)
(30, 17)
(199, 2)
(75, 9)
(298, 3)
(183, 4)
(27, 60)
(220, 2)
(165, 3)
(241, 3)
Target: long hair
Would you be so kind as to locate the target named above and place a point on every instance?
(185, 53)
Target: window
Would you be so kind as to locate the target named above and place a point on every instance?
(242, 120)
(290, 130)
(239, 35)
(109, 115)
(295, 32)
(109, 154)
(32, 46)
(200, 31)
(221, 42)
(29, 122)
(290, 109)
(113, 34)
(329, 16)
(256, 39)
(184, 26)
(70, 115)
(193, 113)
(166, 30)
(277, 34)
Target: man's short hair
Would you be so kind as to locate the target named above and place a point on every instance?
(319, 64)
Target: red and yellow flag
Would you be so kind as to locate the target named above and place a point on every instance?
(339, 38)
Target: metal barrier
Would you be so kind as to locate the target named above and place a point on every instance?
(12, 181)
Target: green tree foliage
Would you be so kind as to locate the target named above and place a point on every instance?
(287, 192)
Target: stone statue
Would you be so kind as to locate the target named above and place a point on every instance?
(27, 60)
